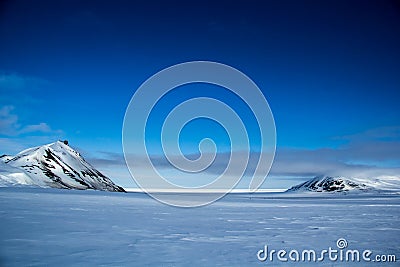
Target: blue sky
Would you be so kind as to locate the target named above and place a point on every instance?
(329, 70)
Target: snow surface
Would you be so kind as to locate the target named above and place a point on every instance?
(10, 176)
(53, 227)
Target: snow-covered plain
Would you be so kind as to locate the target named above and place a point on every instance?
(55, 227)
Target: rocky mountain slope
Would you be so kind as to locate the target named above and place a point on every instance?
(53, 165)
(343, 184)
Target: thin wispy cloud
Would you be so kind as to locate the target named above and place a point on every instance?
(364, 155)
(13, 81)
(20, 127)
(22, 90)
(15, 135)
(387, 133)
(41, 127)
(8, 121)
(10, 125)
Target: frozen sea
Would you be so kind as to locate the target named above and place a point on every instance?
(51, 227)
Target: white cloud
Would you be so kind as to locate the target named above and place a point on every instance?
(8, 121)
(41, 127)
(11, 128)
(365, 155)
(334, 162)
(388, 133)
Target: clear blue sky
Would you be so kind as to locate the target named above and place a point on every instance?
(330, 71)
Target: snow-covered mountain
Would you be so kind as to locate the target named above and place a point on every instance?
(53, 165)
(341, 184)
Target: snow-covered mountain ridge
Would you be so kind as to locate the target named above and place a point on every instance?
(344, 184)
(53, 165)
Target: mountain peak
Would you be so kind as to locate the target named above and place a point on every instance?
(344, 184)
(56, 165)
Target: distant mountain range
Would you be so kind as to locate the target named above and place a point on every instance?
(344, 184)
(58, 165)
(54, 165)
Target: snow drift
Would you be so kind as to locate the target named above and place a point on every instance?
(54, 165)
